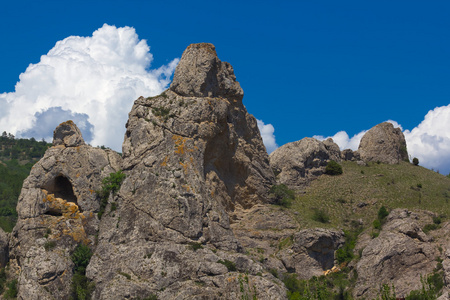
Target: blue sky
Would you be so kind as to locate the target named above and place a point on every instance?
(307, 67)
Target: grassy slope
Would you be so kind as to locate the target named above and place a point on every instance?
(393, 186)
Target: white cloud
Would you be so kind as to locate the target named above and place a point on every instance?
(430, 140)
(92, 80)
(343, 140)
(267, 135)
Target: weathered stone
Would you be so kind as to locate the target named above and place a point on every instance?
(298, 163)
(57, 211)
(200, 73)
(67, 134)
(191, 156)
(399, 256)
(312, 252)
(383, 143)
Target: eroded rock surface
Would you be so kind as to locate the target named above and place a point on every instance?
(399, 256)
(191, 156)
(297, 163)
(57, 211)
(383, 143)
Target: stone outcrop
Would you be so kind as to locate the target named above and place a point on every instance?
(312, 252)
(399, 256)
(56, 211)
(383, 143)
(192, 156)
(297, 163)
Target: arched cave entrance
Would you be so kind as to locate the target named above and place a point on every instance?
(61, 187)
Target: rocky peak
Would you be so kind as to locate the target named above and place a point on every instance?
(383, 143)
(68, 135)
(200, 73)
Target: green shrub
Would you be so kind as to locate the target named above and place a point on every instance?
(429, 227)
(12, 291)
(333, 168)
(415, 161)
(382, 213)
(321, 216)
(229, 264)
(437, 220)
(82, 287)
(110, 184)
(282, 195)
(49, 245)
(195, 246)
(376, 224)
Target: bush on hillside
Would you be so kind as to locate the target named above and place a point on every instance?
(415, 161)
(333, 168)
(282, 195)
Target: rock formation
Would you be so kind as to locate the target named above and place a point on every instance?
(190, 155)
(399, 255)
(56, 212)
(298, 163)
(383, 143)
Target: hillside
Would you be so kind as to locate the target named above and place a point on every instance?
(17, 156)
(361, 190)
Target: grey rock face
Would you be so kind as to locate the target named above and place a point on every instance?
(298, 163)
(399, 255)
(191, 156)
(383, 143)
(67, 134)
(312, 252)
(200, 73)
(56, 212)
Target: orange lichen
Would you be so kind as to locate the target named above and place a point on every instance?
(164, 163)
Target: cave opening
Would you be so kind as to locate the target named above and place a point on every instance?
(61, 187)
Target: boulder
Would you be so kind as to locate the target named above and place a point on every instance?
(383, 143)
(67, 134)
(297, 163)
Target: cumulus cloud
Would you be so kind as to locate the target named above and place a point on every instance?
(267, 135)
(91, 80)
(343, 140)
(430, 140)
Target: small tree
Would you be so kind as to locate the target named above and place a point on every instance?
(333, 168)
(415, 161)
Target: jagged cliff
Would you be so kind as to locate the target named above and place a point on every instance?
(192, 218)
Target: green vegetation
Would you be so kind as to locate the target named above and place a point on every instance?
(49, 245)
(11, 292)
(415, 161)
(321, 216)
(229, 264)
(2, 280)
(345, 253)
(110, 184)
(380, 185)
(282, 195)
(82, 287)
(320, 288)
(17, 156)
(195, 246)
(333, 168)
